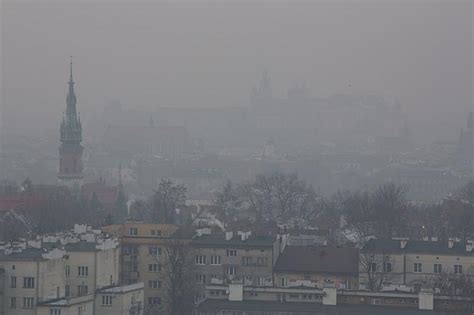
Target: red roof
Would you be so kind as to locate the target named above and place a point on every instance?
(107, 195)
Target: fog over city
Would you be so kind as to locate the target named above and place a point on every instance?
(209, 54)
(220, 156)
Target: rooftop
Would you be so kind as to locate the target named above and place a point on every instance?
(236, 240)
(81, 246)
(418, 247)
(26, 254)
(308, 308)
(121, 289)
(318, 260)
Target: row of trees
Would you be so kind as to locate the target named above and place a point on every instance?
(279, 197)
(383, 212)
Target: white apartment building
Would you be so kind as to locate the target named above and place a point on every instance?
(66, 273)
(413, 265)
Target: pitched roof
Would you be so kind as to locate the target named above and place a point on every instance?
(313, 259)
(26, 254)
(81, 246)
(421, 247)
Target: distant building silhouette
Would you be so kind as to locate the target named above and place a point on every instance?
(262, 95)
(466, 145)
(70, 150)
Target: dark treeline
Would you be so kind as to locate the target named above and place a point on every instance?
(383, 212)
(278, 199)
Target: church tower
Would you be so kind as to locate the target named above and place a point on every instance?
(70, 150)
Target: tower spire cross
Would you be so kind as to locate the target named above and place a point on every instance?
(70, 69)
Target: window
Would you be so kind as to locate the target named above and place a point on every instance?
(133, 231)
(28, 302)
(246, 261)
(28, 282)
(154, 251)
(134, 268)
(154, 284)
(129, 250)
(82, 290)
(417, 267)
(231, 271)
(81, 310)
(261, 261)
(387, 267)
(154, 267)
(13, 282)
(106, 300)
(215, 260)
(13, 302)
(231, 252)
(82, 271)
(201, 279)
(66, 290)
(283, 282)
(67, 271)
(154, 300)
(458, 269)
(200, 260)
(54, 311)
(155, 232)
(437, 268)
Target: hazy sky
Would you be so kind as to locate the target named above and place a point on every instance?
(210, 53)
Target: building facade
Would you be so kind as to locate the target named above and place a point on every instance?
(142, 258)
(233, 258)
(65, 273)
(415, 265)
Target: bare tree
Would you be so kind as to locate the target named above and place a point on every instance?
(377, 269)
(466, 193)
(390, 209)
(228, 203)
(279, 196)
(166, 199)
(360, 212)
(178, 277)
(452, 285)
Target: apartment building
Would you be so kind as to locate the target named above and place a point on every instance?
(61, 274)
(30, 275)
(317, 267)
(234, 258)
(413, 265)
(142, 257)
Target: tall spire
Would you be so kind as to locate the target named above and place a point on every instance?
(70, 72)
(70, 150)
(71, 114)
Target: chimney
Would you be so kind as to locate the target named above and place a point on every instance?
(329, 296)
(228, 236)
(451, 242)
(469, 246)
(236, 292)
(425, 301)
